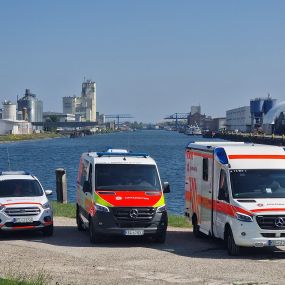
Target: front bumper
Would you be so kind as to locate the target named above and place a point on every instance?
(38, 222)
(106, 224)
(249, 234)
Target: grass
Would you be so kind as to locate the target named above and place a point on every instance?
(36, 278)
(68, 210)
(12, 138)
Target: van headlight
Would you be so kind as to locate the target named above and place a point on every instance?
(46, 205)
(101, 208)
(161, 209)
(244, 217)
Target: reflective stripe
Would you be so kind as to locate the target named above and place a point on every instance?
(100, 200)
(256, 156)
(160, 202)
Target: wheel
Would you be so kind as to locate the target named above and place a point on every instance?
(161, 237)
(94, 237)
(232, 248)
(196, 227)
(79, 222)
(48, 231)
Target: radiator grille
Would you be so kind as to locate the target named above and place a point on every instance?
(22, 212)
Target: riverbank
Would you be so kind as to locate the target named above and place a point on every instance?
(69, 211)
(250, 138)
(34, 136)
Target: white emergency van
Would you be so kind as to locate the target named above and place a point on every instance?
(120, 193)
(236, 192)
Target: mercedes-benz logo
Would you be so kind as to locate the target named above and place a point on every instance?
(279, 222)
(134, 213)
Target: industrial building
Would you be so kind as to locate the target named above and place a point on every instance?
(9, 123)
(239, 119)
(84, 107)
(58, 117)
(30, 107)
(259, 107)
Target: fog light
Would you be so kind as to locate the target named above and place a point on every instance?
(259, 244)
(47, 219)
(243, 234)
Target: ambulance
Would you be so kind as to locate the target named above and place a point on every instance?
(236, 192)
(120, 193)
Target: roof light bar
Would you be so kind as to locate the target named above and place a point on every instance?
(14, 173)
(221, 155)
(123, 154)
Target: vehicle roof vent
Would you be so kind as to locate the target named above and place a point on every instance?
(116, 150)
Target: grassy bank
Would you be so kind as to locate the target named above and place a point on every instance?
(12, 138)
(68, 210)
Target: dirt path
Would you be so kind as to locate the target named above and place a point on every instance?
(69, 258)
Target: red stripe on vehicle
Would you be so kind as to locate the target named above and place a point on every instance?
(269, 210)
(23, 203)
(23, 227)
(256, 156)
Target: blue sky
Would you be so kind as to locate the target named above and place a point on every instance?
(149, 58)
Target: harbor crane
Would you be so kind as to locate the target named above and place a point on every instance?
(177, 117)
(118, 117)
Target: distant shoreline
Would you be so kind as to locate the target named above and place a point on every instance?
(19, 138)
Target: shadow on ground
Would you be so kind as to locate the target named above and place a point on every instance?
(181, 242)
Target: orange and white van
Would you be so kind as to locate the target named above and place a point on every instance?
(236, 192)
(120, 193)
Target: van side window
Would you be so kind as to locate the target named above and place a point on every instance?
(205, 169)
(223, 187)
(84, 171)
(90, 175)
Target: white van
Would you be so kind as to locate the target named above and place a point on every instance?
(236, 192)
(120, 193)
(24, 204)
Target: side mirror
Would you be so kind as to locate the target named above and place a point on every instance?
(87, 187)
(166, 187)
(48, 192)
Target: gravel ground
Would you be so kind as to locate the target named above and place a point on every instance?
(69, 258)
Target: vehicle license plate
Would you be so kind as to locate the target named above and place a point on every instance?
(23, 220)
(134, 232)
(276, 242)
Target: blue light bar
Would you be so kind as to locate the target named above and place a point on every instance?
(14, 173)
(221, 155)
(123, 154)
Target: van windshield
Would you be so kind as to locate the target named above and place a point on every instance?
(20, 188)
(261, 183)
(135, 177)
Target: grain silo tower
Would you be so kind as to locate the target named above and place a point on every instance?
(9, 111)
(31, 106)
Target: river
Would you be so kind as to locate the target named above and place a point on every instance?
(42, 157)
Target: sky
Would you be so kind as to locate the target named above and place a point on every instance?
(149, 58)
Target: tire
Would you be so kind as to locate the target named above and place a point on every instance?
(161, 237)
(196, 228)
(94, 237)
(79, 222)
(48, 231)
(233, 249)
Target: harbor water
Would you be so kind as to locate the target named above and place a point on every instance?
(42, 157)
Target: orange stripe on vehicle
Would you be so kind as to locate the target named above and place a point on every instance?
(188, 195)
(23, 203)
(256, 156)
(205, 155)
(23, 227)
(269, 210)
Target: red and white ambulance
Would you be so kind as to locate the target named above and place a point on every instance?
(120, 193)
(236, 192)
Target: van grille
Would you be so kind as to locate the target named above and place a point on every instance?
(271, 222)
(125, 219)
(19, 212)
(128, 214)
